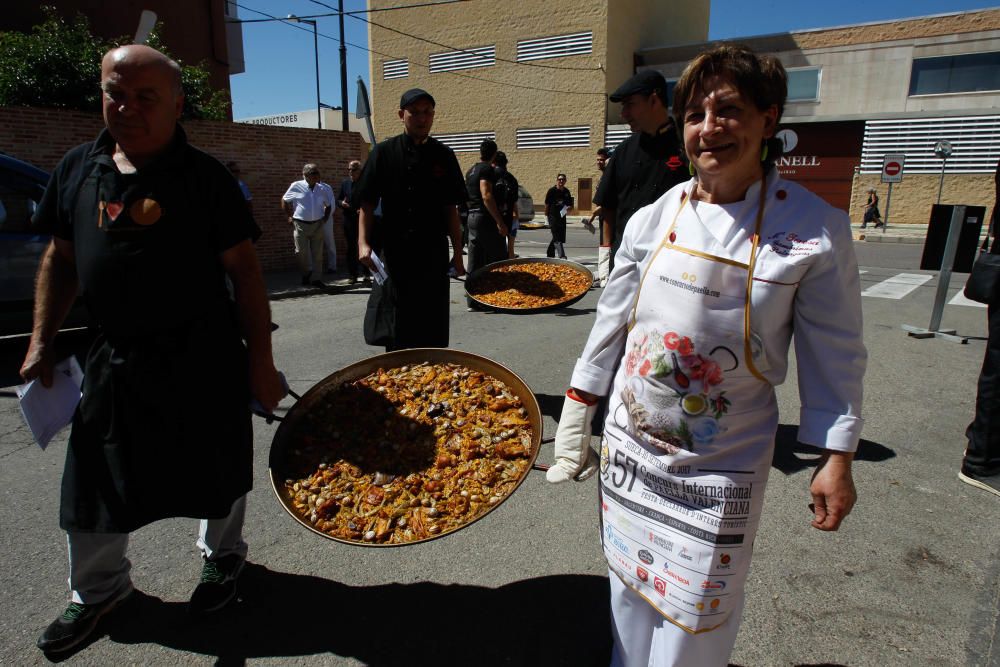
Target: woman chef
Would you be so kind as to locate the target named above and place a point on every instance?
(691, 337)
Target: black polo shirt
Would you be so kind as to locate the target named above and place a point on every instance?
(641, 169)
(481, 171)
(416, 184)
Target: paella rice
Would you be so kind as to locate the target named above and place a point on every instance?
(529, 285)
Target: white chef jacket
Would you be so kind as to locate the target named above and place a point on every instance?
(309, 203)
(806, 279)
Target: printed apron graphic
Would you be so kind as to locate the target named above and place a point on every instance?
(689, 436)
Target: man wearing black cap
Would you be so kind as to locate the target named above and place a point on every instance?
(487, 231)
(420, 185)
(644, 166)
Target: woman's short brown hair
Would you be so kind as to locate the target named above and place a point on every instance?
(760, 79)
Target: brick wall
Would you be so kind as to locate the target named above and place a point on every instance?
(270, 159)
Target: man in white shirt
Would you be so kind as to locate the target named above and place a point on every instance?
(308, 204)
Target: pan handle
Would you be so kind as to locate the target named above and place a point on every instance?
(269, 417)
(541, 466)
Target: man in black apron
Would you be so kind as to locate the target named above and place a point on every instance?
(420, 185)
(148, 227)
(487, 230)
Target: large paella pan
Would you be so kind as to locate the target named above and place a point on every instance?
(405, 447)
(529, 285)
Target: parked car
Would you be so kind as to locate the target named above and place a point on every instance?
(525, 205)
(21, 247)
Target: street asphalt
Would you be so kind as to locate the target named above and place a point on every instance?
(912, 578)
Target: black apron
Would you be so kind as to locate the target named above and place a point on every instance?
(163, 428)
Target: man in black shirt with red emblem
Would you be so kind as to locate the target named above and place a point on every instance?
(420, 185)
(644, 166)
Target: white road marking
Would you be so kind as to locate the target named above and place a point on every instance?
(897, 286)
(960, 300)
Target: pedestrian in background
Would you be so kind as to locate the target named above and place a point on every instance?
(645, 165)
(558, 202)
(234, 169)
(350, 213)
(508, 193)
(603, 244)
(148, 227)
(871, 210)
(308, 204)
(420, 186)
(981, 462)
(487, 231)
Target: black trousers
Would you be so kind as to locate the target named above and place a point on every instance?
(557, 225)
(982, 457)
(351, 234)
(485, 243)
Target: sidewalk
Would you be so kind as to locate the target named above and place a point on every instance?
(894, 233)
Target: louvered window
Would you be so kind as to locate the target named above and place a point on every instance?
(975, 142)
(395, 69)
(483, 56)
(464, 141)
(554, 137)
(579, 43)
(615, 134)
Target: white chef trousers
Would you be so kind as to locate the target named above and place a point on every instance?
(644, 638)
(331, 244)
(98, 567)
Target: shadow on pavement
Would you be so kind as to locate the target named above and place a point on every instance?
(556, 620)
(787, 447)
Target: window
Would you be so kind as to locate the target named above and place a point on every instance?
(483, 56)
(464, 141)
(395, 69)
(615, 134)
(554, 137)
(579, 43)
(974, 139)
(803, 84)
(968, 73)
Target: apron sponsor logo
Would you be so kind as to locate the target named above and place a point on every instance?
(685, 554)
(642, 574)
(618, 542)
(660, 585)
(713, 585)
(623, 563)
(645, 557)
(676, 577)
(661, 542)
(789, 244)
(690, 287)
(724, 560)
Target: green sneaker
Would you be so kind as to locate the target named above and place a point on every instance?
(77, 623)
(218, 584)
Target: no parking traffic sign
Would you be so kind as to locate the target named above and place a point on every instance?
(892, 168)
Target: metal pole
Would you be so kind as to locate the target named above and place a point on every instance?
(319, 111)
(888, 201)
(343, 69)
(944, 161)
(947, 261)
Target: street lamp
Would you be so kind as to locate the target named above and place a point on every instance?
(295, 19)
(943, 150)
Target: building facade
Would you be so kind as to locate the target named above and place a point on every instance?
(535, 76)
(858, 93)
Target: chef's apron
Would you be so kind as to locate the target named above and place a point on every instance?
(690, 430)
(163, 428)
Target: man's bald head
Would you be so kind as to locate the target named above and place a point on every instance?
(143, 99)
(140, 55)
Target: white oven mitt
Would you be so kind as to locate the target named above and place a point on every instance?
(574, 457)
(603, 264)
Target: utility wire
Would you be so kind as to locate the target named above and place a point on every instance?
(358, 11)
(386, 55)
(455, 48)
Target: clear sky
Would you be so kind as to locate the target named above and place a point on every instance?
(280, 75)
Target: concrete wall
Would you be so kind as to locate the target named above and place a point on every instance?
(270, 159)
(912, 199)
(508, 96)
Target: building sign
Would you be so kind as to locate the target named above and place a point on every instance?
(822, 157)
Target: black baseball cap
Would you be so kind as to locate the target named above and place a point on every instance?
(414, 94)
(647, 81)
